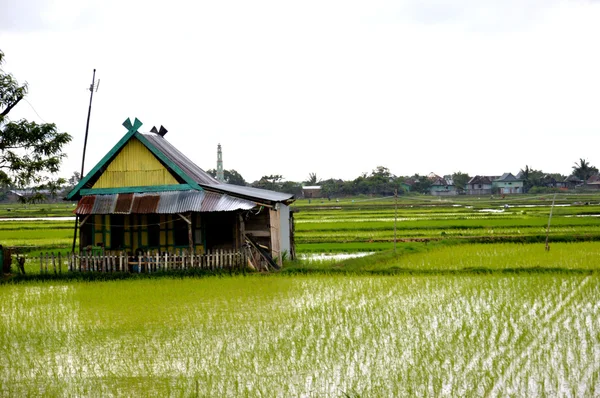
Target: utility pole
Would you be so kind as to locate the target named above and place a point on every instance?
(93, 87)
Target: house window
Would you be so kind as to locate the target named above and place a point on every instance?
(180, 232)
(153, 230)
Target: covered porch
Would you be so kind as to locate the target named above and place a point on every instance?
(163, 222)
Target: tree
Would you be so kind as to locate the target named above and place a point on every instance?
(422, 184)
(231, 176)
(532, 178)
(74, 179)
(271, 182)
(460, 180)
(28, 150)
(312, 179)
(584, 170)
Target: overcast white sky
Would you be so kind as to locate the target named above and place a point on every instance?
(331, 87)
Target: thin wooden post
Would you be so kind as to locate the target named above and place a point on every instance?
(139, 264)
(53, 263)
(59, 263)
(395, 216)
(47, 260)
(41, 263)
(549, 219)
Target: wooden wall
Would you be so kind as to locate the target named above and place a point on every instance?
(134, 166)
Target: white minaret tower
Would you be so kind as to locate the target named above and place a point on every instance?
(220, 174)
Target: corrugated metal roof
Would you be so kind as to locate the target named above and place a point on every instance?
(184, 163)
(124, 202)
(250, 192)
(85, 205)
(145, 203)
(206, 180)
(104, 204)
(162, 203)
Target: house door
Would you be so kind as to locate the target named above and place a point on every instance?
(220, 230)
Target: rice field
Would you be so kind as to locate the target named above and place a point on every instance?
(412, 335)
(442, 316)
(369, 224)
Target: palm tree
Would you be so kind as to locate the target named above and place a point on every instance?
(584, 170)
(312, 179)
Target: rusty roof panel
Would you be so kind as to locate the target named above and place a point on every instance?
(124, 202)
(104, 204)
(170, 202)
(85, 205)
(145, 203)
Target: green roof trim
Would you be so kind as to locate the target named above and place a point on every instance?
(113, 152)
(132, 132)
(149, 188)
(168, 162)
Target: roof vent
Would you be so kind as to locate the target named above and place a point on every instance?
(160, 132)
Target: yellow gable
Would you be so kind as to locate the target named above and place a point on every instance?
(135, 166)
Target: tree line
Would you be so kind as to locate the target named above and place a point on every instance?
(381, 182)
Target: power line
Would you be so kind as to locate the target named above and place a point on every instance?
(38, 115)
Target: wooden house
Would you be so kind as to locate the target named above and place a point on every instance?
(479, 185)
(146, 195)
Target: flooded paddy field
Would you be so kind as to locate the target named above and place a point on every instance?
(429, 332)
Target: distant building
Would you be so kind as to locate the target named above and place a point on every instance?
(442, 187)
(507, 184)
(20, 195)
(593, 182)
(479, 185)
(311, 191)
(572, 181)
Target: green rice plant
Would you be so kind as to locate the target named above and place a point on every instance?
(427, 335)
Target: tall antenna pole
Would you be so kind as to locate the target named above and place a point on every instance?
(87, 129)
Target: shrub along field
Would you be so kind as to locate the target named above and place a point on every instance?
(470, 304)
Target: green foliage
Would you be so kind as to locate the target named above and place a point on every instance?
(272, 182)
(422, 184)
(460, 180)
(584, 169)
(312, 179)
(231, 176)
(27, 149)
